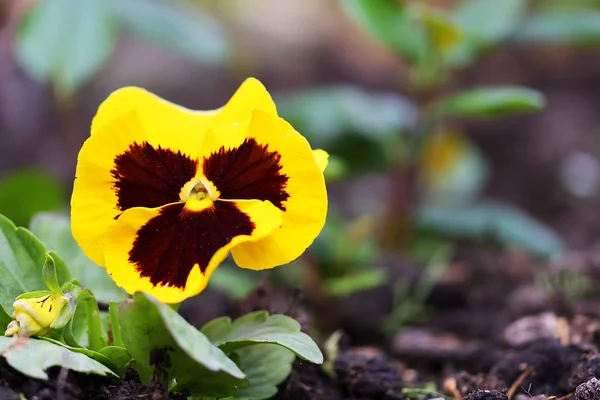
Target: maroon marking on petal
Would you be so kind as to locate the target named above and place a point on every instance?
(149, 177)
(248, 172)
(168, 246)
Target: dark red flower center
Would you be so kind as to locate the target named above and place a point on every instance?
(168, 246)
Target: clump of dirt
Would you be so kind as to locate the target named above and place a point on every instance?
(589, 390)
(550, 365)
(368, 373)
(486, 395)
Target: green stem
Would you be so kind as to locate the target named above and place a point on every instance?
(95, 338)
(115, 325)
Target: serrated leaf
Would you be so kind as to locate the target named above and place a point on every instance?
(55, 231)
(389, 22)
(32, 357)
(199, 366)
(489, 102)
(65, 41)
(492, 221)
(22, 257)
(266, 366)
(176, 26)
(565, 27)
(259, 327)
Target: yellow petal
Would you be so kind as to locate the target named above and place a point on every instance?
(171, 252)
(250, 95)
(268, 160)
(129, 163)
(322, 158)
(157, 113)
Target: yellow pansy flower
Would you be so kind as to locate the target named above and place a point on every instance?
(33, 317)
(163, 194)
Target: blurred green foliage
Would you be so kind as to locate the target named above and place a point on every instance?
(26, 192)
(346, 252)
(420, 130)
(490, 102)
(64, 42)
(490, 221)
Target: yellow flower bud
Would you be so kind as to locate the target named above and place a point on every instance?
(33, 317)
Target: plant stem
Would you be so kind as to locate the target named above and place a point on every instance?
(95, 336)
(115, 325)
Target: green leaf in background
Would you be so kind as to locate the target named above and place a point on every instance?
(492, 221)
(567, 27)
(355, 282)
(259, 327)
(325, 113)
(65, 41)
(148, 326)
(390, 23)
(484, 23)
(22, 257)
(174, 25)
(55, 231)
(32, 357)
(487, 22)
(266, 366)
(25, 193)
(361, 127)
(234, 281)
(490, 102)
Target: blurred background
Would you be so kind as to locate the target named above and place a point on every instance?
(451, 124)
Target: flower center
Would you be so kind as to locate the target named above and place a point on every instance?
(199, 191)
(198, 194)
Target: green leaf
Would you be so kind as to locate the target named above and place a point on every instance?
(573, 27)
(94, 355)
(388, 21)
(96, 335)
(266, 366)
(492, 221)
(49, 274)
(55, 231)
(32, 357)
(65, 41)
(118, 355)
(177, 27)
(25, 193)
(359, 125)
(115, 325)
(487, 22)
(233, 281)
(148, 326)
(490, 102)
(259, 327)
(323, 114)
(484, 23)
(22, 256)
(355, 282)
